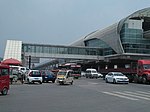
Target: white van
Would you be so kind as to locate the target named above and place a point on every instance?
(91, 73)
(17, 72)
(24, 70)
(20, 69)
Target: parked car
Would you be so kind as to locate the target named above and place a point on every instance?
(100, 75)
(116, 77)
(23, 70)
(91, 73)
(65, 77)
(83, 74)
(34, 76)
(48, 76)
(20, 69)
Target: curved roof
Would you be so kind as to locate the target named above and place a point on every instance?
(111, 34)
(140, 14)
(106, 35)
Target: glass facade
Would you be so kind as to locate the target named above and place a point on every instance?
(133, 41)
(36, 48)
(106, 50)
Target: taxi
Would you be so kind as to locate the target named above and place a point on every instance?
(64, 77)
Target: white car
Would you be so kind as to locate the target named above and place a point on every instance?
(83, 74)
(100, 75)
(23, 70)
(34, 76)
(116, 77)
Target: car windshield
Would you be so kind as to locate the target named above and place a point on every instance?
(146, 66)
(22, 68)
(118, 74)
(76, 72)
(88, 71)
(36, 73)
(49, 73)
(94, 72)
(14, 71)
(62, 73)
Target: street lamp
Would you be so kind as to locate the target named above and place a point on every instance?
(29, 61)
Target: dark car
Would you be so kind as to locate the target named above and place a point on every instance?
(48, 76)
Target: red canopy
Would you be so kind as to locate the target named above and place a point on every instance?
(11, 61)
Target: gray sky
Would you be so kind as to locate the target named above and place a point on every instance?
(60, 22)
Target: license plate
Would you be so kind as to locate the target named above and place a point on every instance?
(36, 78)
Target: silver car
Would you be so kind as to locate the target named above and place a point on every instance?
(116, 77)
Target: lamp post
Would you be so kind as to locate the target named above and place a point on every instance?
(29, 61)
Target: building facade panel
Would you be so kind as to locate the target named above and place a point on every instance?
(13, 49)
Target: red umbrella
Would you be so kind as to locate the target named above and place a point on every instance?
(11, 61)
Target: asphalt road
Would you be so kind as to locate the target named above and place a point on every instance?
(85, 95)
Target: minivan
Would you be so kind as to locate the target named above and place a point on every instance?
(4, 79)
(91, 73)
(64, 77)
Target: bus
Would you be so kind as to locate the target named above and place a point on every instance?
(72, 66)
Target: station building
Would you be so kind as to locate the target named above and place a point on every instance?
(122, 43)
(127, 40)
(128, 37)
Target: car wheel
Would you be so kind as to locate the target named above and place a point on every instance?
(40, 82)
(53, 81)
(114, 81)
(61, 83)
(28, 81)
(4, 91)
(71, 83)
(144, 80)
(106, 80)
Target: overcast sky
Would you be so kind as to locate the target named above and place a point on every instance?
(60, 22)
